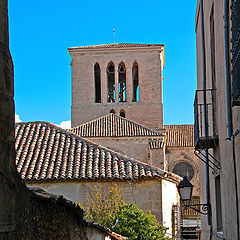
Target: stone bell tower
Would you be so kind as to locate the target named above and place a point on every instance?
(125, 79)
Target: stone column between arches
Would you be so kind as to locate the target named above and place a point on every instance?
(103, 83)
(129, 84)
(116, 83)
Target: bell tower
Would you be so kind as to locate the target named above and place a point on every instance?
(125, 79)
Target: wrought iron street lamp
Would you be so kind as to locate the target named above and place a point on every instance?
(185, 191)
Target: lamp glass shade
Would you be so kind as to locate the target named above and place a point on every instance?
(185, 189)
(185, 193)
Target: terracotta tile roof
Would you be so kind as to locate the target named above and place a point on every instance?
(45, 151)
(179, 135)
(112, 125)
(117, 45)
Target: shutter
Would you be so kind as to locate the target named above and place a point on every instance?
(235, 52)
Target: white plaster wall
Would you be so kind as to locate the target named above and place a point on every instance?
(169, 198)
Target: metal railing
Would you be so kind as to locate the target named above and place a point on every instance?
(200, 138)
(189, 212)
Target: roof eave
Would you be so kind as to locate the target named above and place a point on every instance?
(110, 49)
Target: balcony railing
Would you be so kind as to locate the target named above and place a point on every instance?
(205, 134)
(188, 213)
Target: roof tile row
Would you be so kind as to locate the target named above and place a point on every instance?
(112, 125)
(45, 151)
(179, 135)
(117, 45)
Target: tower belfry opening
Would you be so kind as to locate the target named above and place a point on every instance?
(135, 83)
(122, 82)
(111, 82)
(97, 74)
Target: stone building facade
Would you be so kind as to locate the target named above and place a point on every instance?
(126, 137)
(218, 78)
(170, 149)
(117, 103)
(179, 154)
(120, 78)
(65, 164)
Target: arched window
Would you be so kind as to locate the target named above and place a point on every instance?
(112, 111)
(121, 82)
(135, 83)
(122, 113)
(111, 82)
(184, 169)
(97, 76)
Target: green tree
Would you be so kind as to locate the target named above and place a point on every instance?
(107, 207)
(132, 222)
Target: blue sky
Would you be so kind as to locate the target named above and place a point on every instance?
(41, 32)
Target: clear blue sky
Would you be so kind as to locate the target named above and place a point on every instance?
(41, 31)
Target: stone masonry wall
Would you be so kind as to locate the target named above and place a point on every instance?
(134, 147)
(12, 191)
(56, 219)
(176, 155)
(149, 109)
(146, 194)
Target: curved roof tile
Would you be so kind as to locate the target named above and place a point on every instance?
(47, 152)
(112, 125)
(117, 45)
(179, 135)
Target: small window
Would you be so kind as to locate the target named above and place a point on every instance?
(135, 83)
(184, 169)
(218, 203)
(111, 82)
(122, 113)
(97, 76)
(121, 82)
(112, 111)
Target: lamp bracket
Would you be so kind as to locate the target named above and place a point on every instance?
(200, 208)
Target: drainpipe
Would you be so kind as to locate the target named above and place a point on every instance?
(204, 83)
(230, 134)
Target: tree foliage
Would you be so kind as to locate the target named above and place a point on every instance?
(103, 205)
(107, 207)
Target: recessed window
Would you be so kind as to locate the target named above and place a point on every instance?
(112, 111)
(218, 203)
(122, 113)
(97, 76)
(135, 97)
(184, 169)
